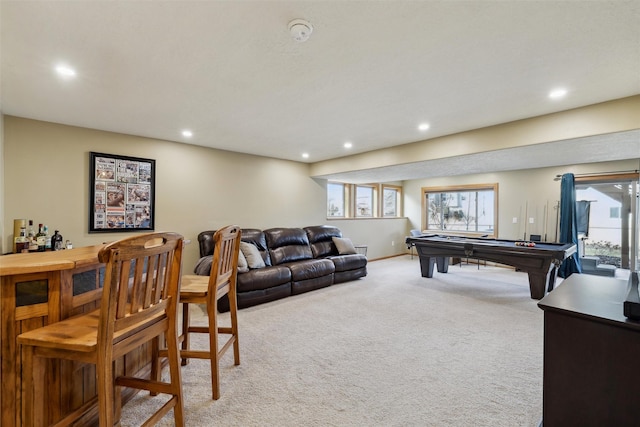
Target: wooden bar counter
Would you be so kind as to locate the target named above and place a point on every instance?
(42, 288)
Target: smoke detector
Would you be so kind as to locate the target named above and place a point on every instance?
(300, 30)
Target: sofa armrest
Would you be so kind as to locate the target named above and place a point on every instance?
(205, 242)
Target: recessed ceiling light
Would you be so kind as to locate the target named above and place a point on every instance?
(423, 126)
(305, 155)
(557, 93)
(348, 144)
(65, 71)
(187, 133)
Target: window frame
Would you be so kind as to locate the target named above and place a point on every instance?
(345, 200)
(374, 200)
(377, 205)
(398, 190)
(461, 189)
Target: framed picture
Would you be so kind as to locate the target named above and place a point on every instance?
(122, 193)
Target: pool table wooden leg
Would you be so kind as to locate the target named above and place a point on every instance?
(552, 277)
(537, 284)
(426, 266)
(443, 264)
(540, 282)
(427, 263)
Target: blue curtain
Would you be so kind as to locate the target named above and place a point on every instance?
(569, 225)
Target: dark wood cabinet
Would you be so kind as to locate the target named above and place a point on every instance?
(591, 355)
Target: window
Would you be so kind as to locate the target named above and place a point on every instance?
(363, 200)
(614, 212)
(391, 201)
(336, 197)
(461, 209)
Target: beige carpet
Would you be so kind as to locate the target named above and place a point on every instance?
(392, 349)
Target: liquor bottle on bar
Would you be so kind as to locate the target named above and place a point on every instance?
(22, 243)
(17, 225)
(47, 244)
(41, 238)
(31, 236)
(56, 241)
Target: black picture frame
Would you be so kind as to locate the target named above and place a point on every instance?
(121, 193)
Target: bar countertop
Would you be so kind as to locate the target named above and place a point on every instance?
(48, 261)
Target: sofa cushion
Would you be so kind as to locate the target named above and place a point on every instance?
(243, 267)
(344, 245)
(252, 255)
(257, 238)
(349, 262)
(310, 269)
(320, 240)
(263, 278)
(203, 266)
(287, 245)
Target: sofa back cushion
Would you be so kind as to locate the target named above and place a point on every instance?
(320, 240)
(205, 241)
(287, 245)
(257, 238)
(249, 235)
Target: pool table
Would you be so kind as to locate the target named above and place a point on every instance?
(541, 261)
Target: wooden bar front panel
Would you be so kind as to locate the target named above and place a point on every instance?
(30, 299)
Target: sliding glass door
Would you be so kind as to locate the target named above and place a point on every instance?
(609, 231)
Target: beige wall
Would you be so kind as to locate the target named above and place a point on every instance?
(529, 190)
(47, 180)
(47, 177)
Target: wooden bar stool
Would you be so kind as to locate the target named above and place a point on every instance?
(208, 290)
(139, 304)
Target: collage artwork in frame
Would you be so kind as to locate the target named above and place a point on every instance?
(122, 193)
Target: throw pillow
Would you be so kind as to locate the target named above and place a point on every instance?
(252, 254)
(203, 266)
(243, 267)
(344, 245)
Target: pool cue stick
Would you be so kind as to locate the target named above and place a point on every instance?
(545, 213)
(521, 219)
(526, 214)
(557, 219)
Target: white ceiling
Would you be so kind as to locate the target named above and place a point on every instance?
(370, 73)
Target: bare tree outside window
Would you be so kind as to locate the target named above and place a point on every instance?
(391, 201)
(461, 210)
(364, 201)
(335, 199)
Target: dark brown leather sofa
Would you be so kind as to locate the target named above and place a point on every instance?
(297, 260)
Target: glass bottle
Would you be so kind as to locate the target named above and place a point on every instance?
(31, 236)
(22, 243)
(56, 241)
(41, 238)
(47, 244)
